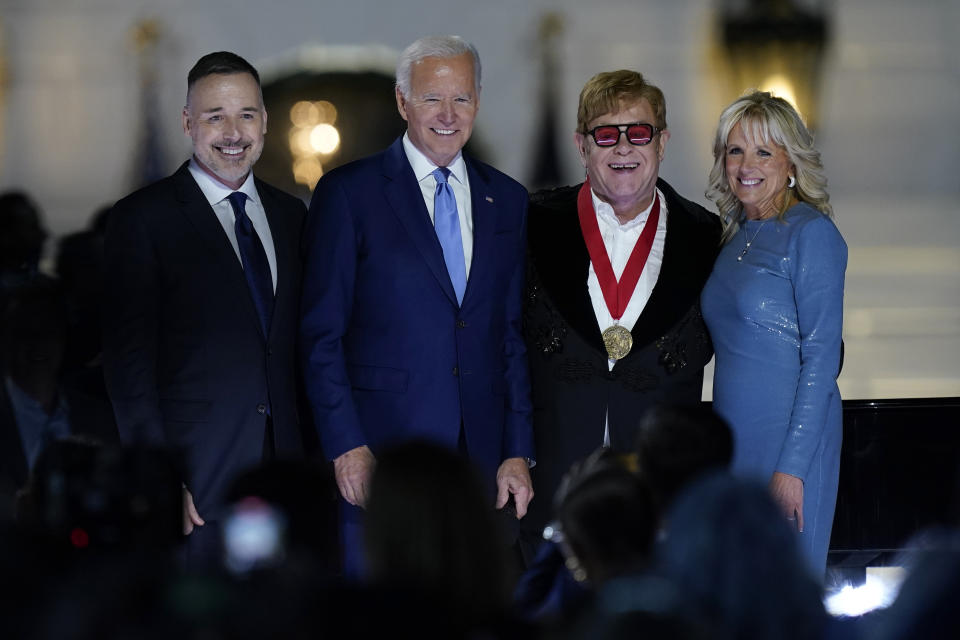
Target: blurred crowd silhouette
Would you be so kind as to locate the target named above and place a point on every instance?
(660, 543)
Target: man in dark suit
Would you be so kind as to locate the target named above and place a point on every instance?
(412, 300)
(203, 283)
(616, 265)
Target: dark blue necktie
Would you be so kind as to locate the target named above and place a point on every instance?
(256, 268)
(447, 224)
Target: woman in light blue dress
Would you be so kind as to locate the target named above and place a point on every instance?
(774, 308)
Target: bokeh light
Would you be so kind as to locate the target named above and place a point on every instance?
(324, 138)
(311, 136)
(326, 111)
(305, 114)
(307, 171)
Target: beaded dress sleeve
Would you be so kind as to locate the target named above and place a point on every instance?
(818, 257)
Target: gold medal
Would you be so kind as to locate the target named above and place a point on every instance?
(618, 341)
(616, 293)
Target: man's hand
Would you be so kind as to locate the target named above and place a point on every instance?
(513, 477)
(352, 471)
(191, 518)
(787, 490)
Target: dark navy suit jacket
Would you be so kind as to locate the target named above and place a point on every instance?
(388, 354)
(185, 359)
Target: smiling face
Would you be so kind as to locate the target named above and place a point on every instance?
(441, 106)
(757, 173)
(226, 121)
(624, 175)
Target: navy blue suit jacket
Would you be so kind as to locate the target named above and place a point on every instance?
(388, 354)
(185, 359)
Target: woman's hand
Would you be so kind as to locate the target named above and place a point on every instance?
(787, 490)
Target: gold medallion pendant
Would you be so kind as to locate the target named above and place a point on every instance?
(618, 341)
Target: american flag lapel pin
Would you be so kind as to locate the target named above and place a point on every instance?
(489, 199)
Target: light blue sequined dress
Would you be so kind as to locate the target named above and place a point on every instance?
(775, 318)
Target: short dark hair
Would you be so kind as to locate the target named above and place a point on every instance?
(429, 527)
(220, 62)
(22, 233)
(737, 564)
(677, 443)
(607, 515)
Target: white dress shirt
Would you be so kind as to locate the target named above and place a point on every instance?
(216, 194)
(423, 169)
(619, 241)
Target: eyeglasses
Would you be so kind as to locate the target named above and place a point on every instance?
(638, 133)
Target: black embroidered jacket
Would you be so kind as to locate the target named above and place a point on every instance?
(573, 390)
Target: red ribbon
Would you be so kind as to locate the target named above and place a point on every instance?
(616, 294)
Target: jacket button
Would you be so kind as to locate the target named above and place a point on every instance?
(461, 324)
(456, 371)
(261, 409)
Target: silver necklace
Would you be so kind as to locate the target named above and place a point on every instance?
(746, 247)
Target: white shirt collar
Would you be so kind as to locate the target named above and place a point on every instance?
(605, 212)
(423, 167)
(215, 191)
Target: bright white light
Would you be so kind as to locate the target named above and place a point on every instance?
(879, 592)
(253, 535)
(780, 86)
(324, 138)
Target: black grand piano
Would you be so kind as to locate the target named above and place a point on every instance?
(899, 475)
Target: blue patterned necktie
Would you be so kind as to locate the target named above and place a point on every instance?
(447, 224)
(256, 268)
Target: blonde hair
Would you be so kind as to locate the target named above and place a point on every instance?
(607, 91)
(768, 119)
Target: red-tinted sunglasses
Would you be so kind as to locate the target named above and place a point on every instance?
(638, 133)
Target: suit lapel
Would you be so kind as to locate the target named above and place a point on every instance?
(194, 206)
(563, 263)
(484, 212)
(674, 292)
(405, 198)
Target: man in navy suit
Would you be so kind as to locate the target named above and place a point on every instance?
(411, 309)
(203, 280)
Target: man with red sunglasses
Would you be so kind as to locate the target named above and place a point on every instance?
(612, 321)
